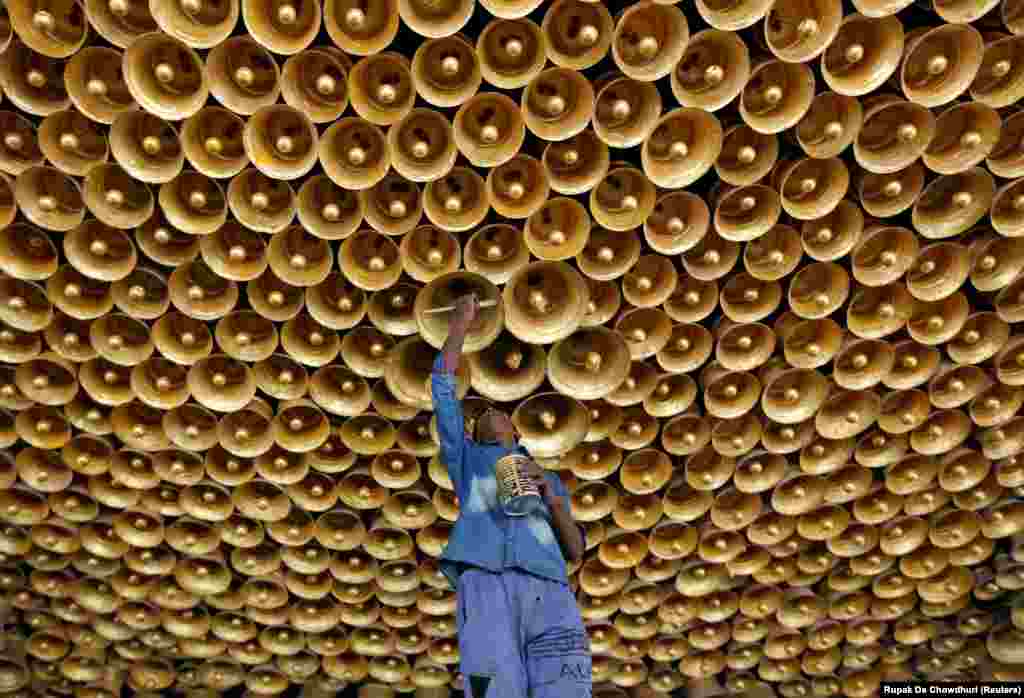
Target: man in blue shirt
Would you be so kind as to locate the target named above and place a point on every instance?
(520, 630)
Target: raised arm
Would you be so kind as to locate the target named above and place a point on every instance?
(447, 408)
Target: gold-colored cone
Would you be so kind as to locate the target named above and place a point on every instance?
(327, 210)
(693, 299)
(551, 424)
(308, 341)
(605, 302)
(49, 198)
(888, 195)
(174, 88)
(577, 164)
(298, 427)
(507, 369)
(199, 293)
(863, 363)
(428, 253)
(281, 377)
(244, 433)
(235, 252)
(32, 81)
(298, 258)
(938, 271)
(677, 223)
(777, 96)
(649, 40)
(282, 26)
(558, 230)
(443, 292)
(952, 204)
(557, 104)
(773, 255)
(545, 302)
(818, 289)
(435, 19)
(489, 129)
(995, 83)
(221, 383)
(712, 71)
(361, 28)
(100, 252)
(623, 199)
(578, 34)
(511, 52)
(381, 89)
(683, 146)
(445, 71)
(121, 339)
(748, 212)
(688, 347)
(72, 142)
(517, 188)
(864, 54)
(246, 335)
(365, 350)
(812, 343)
(118, 199)
(894, 134)
(964, 136)
(8, 205)
(27, 253)
(812, 188)
(315, 82)
(650, 282)
(940, 63)
(835, 234)
(1006, 216)
(66, 336)
(199, 26)
(422, 145)
(626, 112)
(370, 260)
(281, 141)
(60, 34)
(608, 254)
(457, 201)
(798, 33)
(392, 311)
(336, 303)
(830, 125)
(160, 383)
(393, 206)
(915, 364)
(588, 353)
(354, 154)
(243, 75)
(746, 156)
(212, 141)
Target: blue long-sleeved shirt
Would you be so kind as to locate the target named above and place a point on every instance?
(483, 536)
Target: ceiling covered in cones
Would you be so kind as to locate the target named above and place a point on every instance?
(752, 287)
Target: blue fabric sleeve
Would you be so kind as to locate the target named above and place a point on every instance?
(450, 423)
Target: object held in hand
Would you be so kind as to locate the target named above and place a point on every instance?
(518, 493)
(450, 308)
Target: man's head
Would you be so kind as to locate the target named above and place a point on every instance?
(495, 426)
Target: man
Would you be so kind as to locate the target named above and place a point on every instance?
(520, 631)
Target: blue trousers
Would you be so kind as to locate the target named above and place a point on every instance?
(520, 636)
